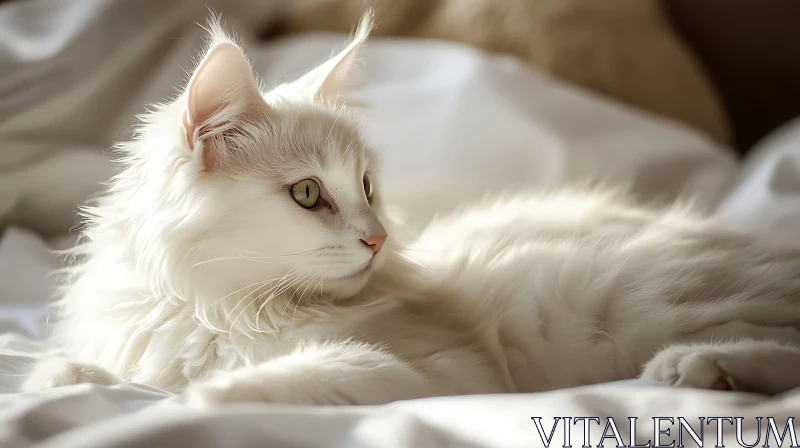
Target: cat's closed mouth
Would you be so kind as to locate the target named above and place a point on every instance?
(357, 273)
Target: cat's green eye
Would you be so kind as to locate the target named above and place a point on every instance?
(306, 193)
(368, 188)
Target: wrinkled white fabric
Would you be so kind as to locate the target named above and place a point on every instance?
(490, 421)
(768, 191)
(450, 122)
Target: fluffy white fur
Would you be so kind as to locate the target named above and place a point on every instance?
(200, 273)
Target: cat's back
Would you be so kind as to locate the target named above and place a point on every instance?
(511, 226)
(597, 231)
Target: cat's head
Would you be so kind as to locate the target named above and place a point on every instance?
(276, 186)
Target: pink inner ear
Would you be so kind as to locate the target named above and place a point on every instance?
(223, 78)
(221, 94)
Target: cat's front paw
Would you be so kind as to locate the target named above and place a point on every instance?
(241, 387)
(58, 372)
(215, 392)
(689, 366)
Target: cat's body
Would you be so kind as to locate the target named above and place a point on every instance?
(533, 293)
(240, 256)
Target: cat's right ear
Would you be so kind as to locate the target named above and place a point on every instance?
(222, 97)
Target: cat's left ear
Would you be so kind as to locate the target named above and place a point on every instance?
(333, 79)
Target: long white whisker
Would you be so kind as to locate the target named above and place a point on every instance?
(306, 282)
(260, 257)
(297, 305)
(244, 308)
(319, 284)
(241, 289)
(263, 304)
(277, 291)
(248, 294)
(302, 295)
(261, 284)
(307, 252)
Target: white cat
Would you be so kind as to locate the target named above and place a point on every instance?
(241, 255)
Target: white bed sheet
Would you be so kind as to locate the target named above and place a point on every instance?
(451, 123)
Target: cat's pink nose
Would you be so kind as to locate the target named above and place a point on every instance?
(374, 243)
